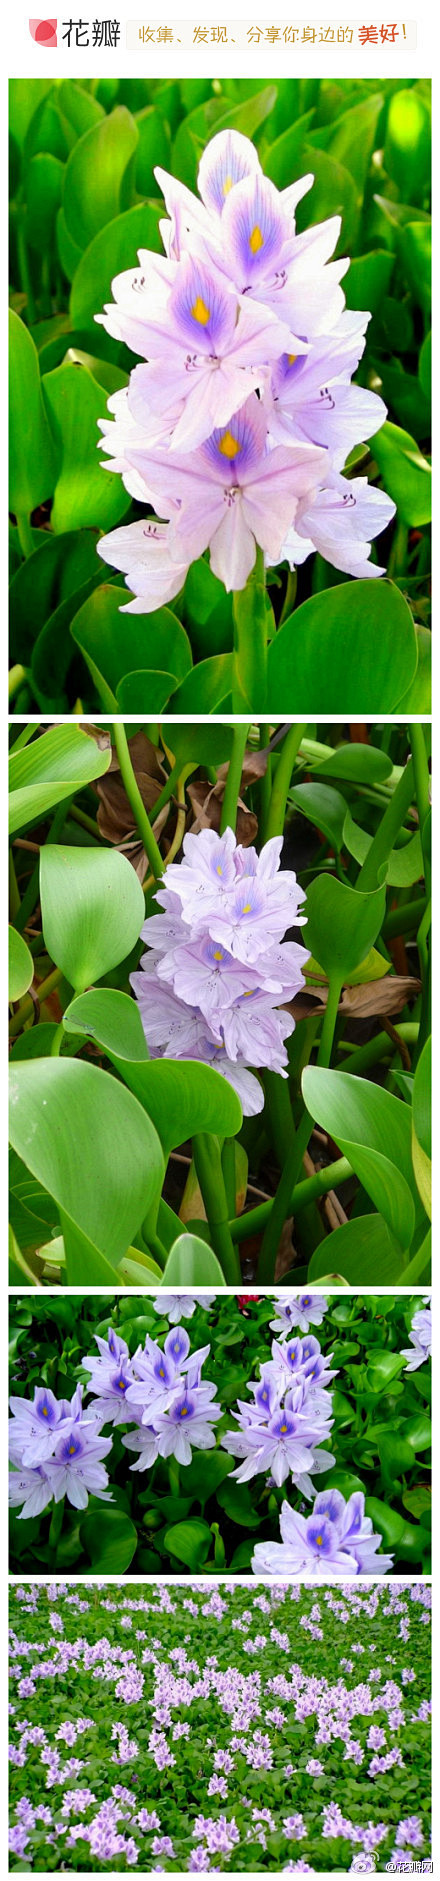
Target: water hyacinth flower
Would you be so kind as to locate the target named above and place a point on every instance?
(213, 984)
(282, 1432)
(336, 1539)
(236, 426)
(297, 1309)
(177, 1306)
(420, 1347)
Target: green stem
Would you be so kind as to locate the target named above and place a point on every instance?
(171, 786)
(131, 788)
(14, 891)
(404, 920)
(57, 1041)
(280, 1118)
(389, 826)
(24, 527)
(43, 992)
(209, 1173)
(364, 1056)
(254, 1221)
(15, 680)
(86, 822)
(232, 787)
(25, 273)
(250, 617)
(329, 1020)
(229, 1173)
(274, 825)
(422, 783)
(280, 1206)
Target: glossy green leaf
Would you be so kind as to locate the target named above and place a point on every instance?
(116, 644)
(191, 1263)
(190, 1542)
(105, 1190)
(32, 472)
(368, 280)
(92, 909)
(207, 689)
(421, 1137)
(355, 764)
(404, 866)
(351, 649)
(342, 923)
(405, 472)
(373, 1129)
(324, 807)
(53, 767)
(58, 568)
(44, 190)
(415, 252)
(84, 494)
(333, 193)
(417, 700)
(110, 1539)
(145, 692)
(363, 1252)
(114, 247)
(95, 175)
(21, 966)
(407, 154)
(182, 1096)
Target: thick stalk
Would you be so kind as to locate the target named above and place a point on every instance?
(250, 617)
(282, 1200)
(274, 825)
(24, 527)
(210, 1179)
(229, 1173)
(404, 920)
(388, 830)
(281, 1124)
(422, 783)
(254, 1221)
(131, 788)
(363, 1057)
(15, 680)
(232, 787)
(171, 785)
(329, 1020)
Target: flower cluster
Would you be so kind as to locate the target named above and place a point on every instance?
(421, 1338)
(282, 1431)
(336, 1539)
(56, 1450)
(177, 1306)
(237, 425)
(217, 969)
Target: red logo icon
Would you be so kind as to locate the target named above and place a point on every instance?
(44, 32)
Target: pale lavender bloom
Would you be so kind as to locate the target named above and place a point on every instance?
(36, 1425)
(187, 1424)
(157, 1373)
(336, 1539)
(298, 1309)
(340, 521)
(177, 1306)
(77, 1467)
(421, 1340)
(211, 985)
(111, 1374)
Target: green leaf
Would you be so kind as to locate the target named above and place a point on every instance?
(425, 360)
(342, 923)
(32, 471)
(415, 253)
(206, 1471)
(368, 280)
(21, 966)
(404, 865)
(191, 1264)
(417, 700)
(418, 1431)
(189, 1541)
(109, 1538)
(84, 494)
(153, 148)
(110, 1017)
(113, 248)
(95, 175)
(373, 1129)
(363, 1251)
(207, 689)
(44, 185)
(236, 1500)
(92, 909)
(105, 1190)
(53, 767)
(405, 472)
(407, 153)
(418, 1500)
(333, 193)
(115, 644)
(324, 807)
(351, 649)
(283, 156)
(181, 1096)
(356, 764)
(55, 571)
(382, 1369)
(421, 1134)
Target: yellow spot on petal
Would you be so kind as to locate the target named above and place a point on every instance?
(229, 446)
(256, 240)
(201, 312)
(319, 1541)
(121, 1384)
(227, 185)
(218, 953)
(291, 357)
(247, 908)
(72, 1449)
(184, 1411)
(45, 1411)
(219, 870)
(283, 1428)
